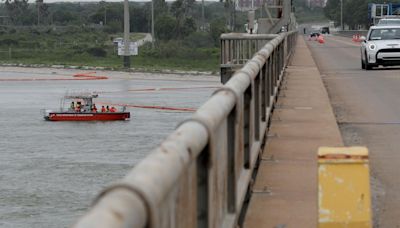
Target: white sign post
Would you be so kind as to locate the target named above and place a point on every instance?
(133, 48)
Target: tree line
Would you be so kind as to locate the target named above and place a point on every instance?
(173, 20)
(355, 12)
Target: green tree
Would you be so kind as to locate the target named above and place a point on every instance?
(42, 12)
(18, 11)
(189, 27)
(217, 27)
(113, 27)
(107, 11)
(332, 10)
(63, 17)
(185, 24)
(355, 13)
(165, 27)
(160, 8)
(140, 19)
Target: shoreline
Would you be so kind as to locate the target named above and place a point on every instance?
(130, 70)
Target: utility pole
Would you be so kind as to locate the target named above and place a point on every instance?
(38, 14)
(202, 16)
(105, 15)
(341, 15)
(38, 4)
(152, 24)
(127, 59)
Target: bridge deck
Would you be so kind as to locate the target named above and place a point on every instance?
(285, 190)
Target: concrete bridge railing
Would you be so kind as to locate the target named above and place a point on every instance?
(200, 174)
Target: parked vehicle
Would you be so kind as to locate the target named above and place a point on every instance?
(389, 21)
(325, 30)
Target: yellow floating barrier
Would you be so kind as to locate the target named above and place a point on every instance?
(344, 198)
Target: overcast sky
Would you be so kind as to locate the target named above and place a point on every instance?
(51, 1)
(48, 1)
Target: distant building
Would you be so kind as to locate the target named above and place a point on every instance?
(244, 5)
(316, 3)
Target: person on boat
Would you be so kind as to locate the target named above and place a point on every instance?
(103, 109)
(113, 109)
(94, 108)
(72, 107)
(78, 107)
(108, 109)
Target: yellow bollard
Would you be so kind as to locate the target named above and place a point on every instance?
(344, 198)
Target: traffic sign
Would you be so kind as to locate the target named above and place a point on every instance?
(133, 48)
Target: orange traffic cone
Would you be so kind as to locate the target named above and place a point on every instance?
(321, 39)
(358, 38)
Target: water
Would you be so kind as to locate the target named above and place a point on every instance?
(51, 171)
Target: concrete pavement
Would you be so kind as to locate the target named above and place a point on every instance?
(285, 190)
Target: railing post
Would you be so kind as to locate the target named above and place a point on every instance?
(264, 90)
(246, 126)
(226, 73)
(232, 161)
(256, 119)
(202, 189)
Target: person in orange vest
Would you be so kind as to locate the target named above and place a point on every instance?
(113, 109)
(103, 109)
(94, 108)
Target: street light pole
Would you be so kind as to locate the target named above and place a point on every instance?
(152, 24)
(341, 15)
(127, 59)
(38, 5)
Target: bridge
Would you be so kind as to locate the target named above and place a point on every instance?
(248, 156)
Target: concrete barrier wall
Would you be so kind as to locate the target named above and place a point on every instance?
(350, 33)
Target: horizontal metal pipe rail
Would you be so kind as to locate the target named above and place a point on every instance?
(238, 48)
(199, 175)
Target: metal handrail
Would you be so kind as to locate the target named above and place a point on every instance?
(199, 175)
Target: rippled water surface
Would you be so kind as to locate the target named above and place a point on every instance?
(51, 171)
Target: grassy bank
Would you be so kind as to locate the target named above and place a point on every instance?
(147, 63)
(74, 46)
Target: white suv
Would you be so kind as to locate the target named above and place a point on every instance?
(381, 47)
(389, 21)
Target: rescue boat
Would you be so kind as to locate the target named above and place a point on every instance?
(83, 108)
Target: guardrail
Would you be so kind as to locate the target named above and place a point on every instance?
(238, 48)
(350, 33)
(199, 175)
